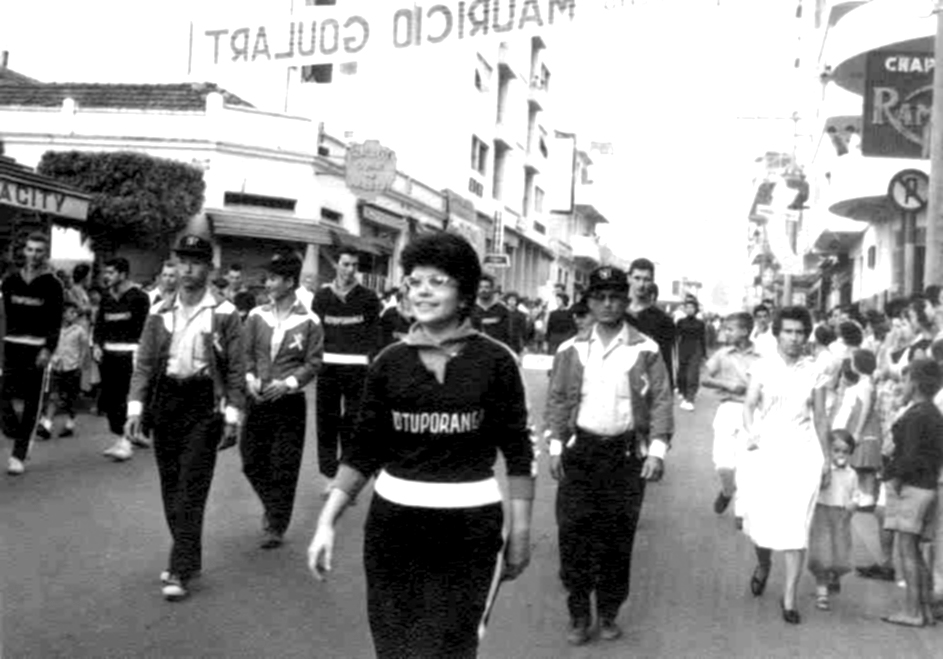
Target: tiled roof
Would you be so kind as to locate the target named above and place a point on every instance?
(178, 96)
(10, 77)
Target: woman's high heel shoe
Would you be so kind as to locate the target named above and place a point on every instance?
(790, 616)
(758, 580)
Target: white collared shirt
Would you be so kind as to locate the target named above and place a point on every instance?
(191, 329)
(605, 397)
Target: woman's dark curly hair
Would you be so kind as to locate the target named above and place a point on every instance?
(451, 254)
(793, 313)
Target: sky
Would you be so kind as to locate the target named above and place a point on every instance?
(665, 80)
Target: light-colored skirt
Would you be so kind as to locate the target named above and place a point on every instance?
(782, 478)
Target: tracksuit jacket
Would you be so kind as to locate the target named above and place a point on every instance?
(224, 351)
(652, 411)
(297, 359)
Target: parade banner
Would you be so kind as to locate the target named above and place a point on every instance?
(897, 103)
(328, 34)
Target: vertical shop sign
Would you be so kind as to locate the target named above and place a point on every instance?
(897, 103)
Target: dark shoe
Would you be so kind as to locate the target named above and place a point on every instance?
(721, 503)
(758, 580)
(271, 540)
(66, 432)
(609, 630)
(578, 632)
(879, 572)
(790, 616)
(834, 586)
(42, 432)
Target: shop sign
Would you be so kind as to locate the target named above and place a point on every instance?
(497, 234)
(497, 261)
(35, 198)
(370, 168)
(897, 104)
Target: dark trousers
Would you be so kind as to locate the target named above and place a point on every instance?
(689, 374)
(271, 455)
(599, 500)
(22, 380)
(65, 390)
(428, 574)
(187, 430)
(116, 369)
(339, 389)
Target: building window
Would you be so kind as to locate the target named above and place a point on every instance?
(257, 200)
(540, 228)
(538, 200)
(319, 73)
(331, 216)
(872, 257)
(479, 155)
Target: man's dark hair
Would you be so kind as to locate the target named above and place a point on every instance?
(741, 318)
(642, 264)
(824, 335)
(488, 277)
(451, 254)
(932, 294)
(220, 282)
(349, 251)
(895, 308)
(926, 376)
(693, 301)
(917, 306)
(580, 309)
(565, 298)
(850, 333)
(864, 361)
(759, 308)
(120, 264)
(38, 237)
(793, 313)
(81, 272)
(510, 294)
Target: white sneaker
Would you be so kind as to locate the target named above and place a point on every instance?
(15, 467)
(687, 405)
(174, 589)
(120, 451)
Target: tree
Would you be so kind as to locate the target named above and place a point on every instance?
(137, 199)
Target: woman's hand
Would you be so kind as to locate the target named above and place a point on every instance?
(516, 554)
(321, 551)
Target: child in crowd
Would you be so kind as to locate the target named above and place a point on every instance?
(911, 486)
(66, 365)
(830, 534)
(857, 413)
(727, 371)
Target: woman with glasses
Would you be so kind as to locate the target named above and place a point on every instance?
(437, 408)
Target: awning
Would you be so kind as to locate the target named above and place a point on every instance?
(22, 188)
(343, 238)
(382, 217)
(839, 234)
(270, 226)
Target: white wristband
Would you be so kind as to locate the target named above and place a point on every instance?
(555, 447)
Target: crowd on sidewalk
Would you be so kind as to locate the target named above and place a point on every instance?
(818, 420)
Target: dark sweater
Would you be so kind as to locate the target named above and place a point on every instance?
(351, 325)
(420, 430)
(393, 326)
(918, 447)
(33, 310)
(495, 321)
(121, 320)
(657, 324)
(692, 338)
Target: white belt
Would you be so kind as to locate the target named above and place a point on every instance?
(25, 340)
(423, 494)
(120, 347)
(339, 358)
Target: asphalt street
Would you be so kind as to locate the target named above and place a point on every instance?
(83, 540)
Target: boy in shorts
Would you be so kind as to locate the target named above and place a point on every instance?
(727, 371)
(911, 483)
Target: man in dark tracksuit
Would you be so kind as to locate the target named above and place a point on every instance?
(118, 328)
(284, 345)
(609, 418)
(190, 379)
(350, 315)
(32, 299)
(692, 350)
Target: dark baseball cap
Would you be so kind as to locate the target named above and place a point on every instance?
(608, 278)
(285, 265)
(196, 247)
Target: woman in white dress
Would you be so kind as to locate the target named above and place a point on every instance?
(786, 459)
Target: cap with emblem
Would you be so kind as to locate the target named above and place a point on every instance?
(608, 278)
(195, 247)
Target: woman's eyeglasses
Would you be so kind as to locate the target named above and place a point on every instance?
(434, 282)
